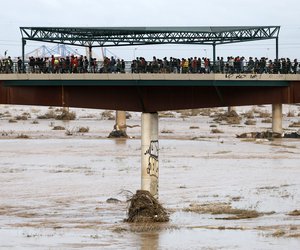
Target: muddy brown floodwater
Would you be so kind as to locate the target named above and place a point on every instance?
(221, 192)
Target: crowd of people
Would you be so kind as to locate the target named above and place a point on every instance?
(68, 64)
(204, 65)
(82, 64)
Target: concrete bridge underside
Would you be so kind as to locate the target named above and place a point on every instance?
(148, 92)
(148, 98)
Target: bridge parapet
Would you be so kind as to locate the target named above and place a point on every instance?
(153, 77)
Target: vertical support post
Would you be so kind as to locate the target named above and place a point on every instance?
(214, 57)
(149, 153)
(277, 48)
(23, 54)
(120, 121)
(277, 118)
(90, 53)
(91, 69)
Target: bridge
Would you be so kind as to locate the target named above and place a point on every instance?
(150, 93)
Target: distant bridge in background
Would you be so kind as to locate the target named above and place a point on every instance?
(59, 49)
(63, 50)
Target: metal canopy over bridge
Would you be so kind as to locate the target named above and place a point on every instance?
(126, 36)
(132, 36)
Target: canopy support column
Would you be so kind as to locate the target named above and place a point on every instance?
(277, 49)
(23, 55)
(214, 57)
(90, 53)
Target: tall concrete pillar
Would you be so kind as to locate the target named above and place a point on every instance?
(121, 121)
(277, 118)
(149, 154)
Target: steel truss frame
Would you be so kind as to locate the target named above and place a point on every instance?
(122, 36)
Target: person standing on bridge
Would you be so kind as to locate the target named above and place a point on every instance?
(85, 64)
(56, 65)
(184, 66)
(8, 65)
(222, 65)
(199, 65)
(194, 65)
(74, 61)
(80, 64)
(276, 66)
(155, 67)
(20, 65)
(112, 65)
(68, 64)
(31, 64)
(295, 66)
(207, 65)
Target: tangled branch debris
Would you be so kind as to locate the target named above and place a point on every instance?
(145, 208)
(118, 134)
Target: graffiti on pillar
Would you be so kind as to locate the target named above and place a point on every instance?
(152, 153)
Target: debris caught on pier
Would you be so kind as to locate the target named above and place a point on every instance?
(118, 134)
(145, 208)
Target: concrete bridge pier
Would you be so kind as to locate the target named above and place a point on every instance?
(277, 118)
(149, 153)
(231, 108)
(121, 120)
(119, 130)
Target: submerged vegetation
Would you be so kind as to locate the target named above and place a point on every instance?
(223, 208)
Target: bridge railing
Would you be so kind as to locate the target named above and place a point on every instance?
(131, 67)
(20, 68)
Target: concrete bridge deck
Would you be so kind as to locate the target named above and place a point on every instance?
(148, 79)
(148, 92)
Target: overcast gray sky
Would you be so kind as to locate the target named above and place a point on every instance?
(100, 13)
